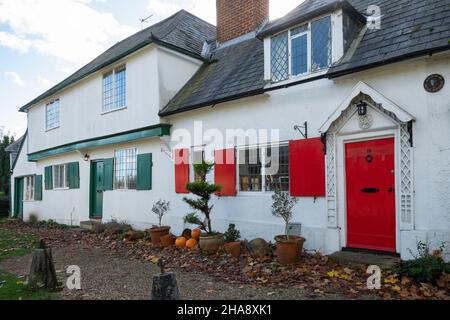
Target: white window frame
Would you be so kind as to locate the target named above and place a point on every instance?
(262, 148)
(113, 72)
(309, 40)
(126, 184)
(65, 184)
(29, 186)
(57, 125)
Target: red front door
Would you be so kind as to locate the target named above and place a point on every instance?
(370, 183)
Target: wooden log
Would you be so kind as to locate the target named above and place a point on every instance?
(42, 272)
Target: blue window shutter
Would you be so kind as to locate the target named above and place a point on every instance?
(49, 178)
(144, 171)
(108, 174)
(38, 188)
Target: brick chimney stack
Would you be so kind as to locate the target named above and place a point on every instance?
(238, 17)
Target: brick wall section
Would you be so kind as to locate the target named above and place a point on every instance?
(238, 17)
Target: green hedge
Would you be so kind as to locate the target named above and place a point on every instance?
(4, 207)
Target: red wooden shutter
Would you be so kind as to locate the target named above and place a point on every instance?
(225, 172)
(307, 168)
(181, 170)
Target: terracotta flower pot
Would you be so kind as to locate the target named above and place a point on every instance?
(168, 240)
(210, 244)
(289, 251)
(157, 233)
(233, 248)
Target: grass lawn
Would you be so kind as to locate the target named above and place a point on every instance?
(13, 288)
(13, 244)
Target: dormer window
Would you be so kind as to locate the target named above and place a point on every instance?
(301, 50)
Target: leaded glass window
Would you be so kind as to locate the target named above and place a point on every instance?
(60, 176)
(277, 168)
(301, 50)
(321, 43)
(280, 57)
(29, 188)
(52, 115)
(250, 170)
(114, 89)
(125, 169)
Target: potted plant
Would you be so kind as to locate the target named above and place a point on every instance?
(210, 241)
(160, 208)
(289, 248)
(232, 244)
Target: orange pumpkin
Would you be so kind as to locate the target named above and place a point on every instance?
(191, 244)
(181, 242)
(196, 234)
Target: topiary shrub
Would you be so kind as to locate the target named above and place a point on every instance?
(232, 234)
(426, 267)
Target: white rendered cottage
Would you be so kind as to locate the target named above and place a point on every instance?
(360, 109)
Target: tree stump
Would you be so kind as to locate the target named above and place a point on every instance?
(165, 286)
(42, 272)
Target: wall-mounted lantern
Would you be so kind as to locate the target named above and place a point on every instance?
(362, 108)
(86, 157)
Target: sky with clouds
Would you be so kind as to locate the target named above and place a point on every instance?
(43, 41)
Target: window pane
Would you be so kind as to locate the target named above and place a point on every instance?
(120, 87)
(52, 115)
(279, 58)
(108, 90)
(300, 55)
(250, 178)
(277, 168)
(321, 43)
(125, 171)
(66, 175)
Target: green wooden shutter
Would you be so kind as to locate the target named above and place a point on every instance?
(49, 178)
(38, 188)
(144, 171)
(108, 174)
(74, 175)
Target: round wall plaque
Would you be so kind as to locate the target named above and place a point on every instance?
(365, 122)
(434, 83)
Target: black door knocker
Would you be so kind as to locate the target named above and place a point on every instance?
(369, 157)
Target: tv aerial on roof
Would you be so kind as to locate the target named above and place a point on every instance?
(145, 20)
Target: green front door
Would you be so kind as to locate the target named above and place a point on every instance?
(18, 197)
(96, 194)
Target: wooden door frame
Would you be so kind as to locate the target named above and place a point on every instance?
(91, 185)
(341, 180)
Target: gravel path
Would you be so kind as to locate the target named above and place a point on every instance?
(109, 277)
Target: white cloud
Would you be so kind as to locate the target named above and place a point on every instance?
(206, 9)
(67, 29)
(44, 81)
(16, 78)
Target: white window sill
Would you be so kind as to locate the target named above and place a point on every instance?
(293, 79)
(61, 189)
(51, 129)
(28, 201)
(114, 110)
(255, 193)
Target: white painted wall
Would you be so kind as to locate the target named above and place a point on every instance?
(282, 109)
(153, 77)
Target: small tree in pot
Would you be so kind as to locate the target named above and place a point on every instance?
(232, 243)
(289, 248)
(210, 241)
(160, 209)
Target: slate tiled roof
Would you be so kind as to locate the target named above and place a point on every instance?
(235, 71)
(409, 27)
(182, 31)
(15, 147)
